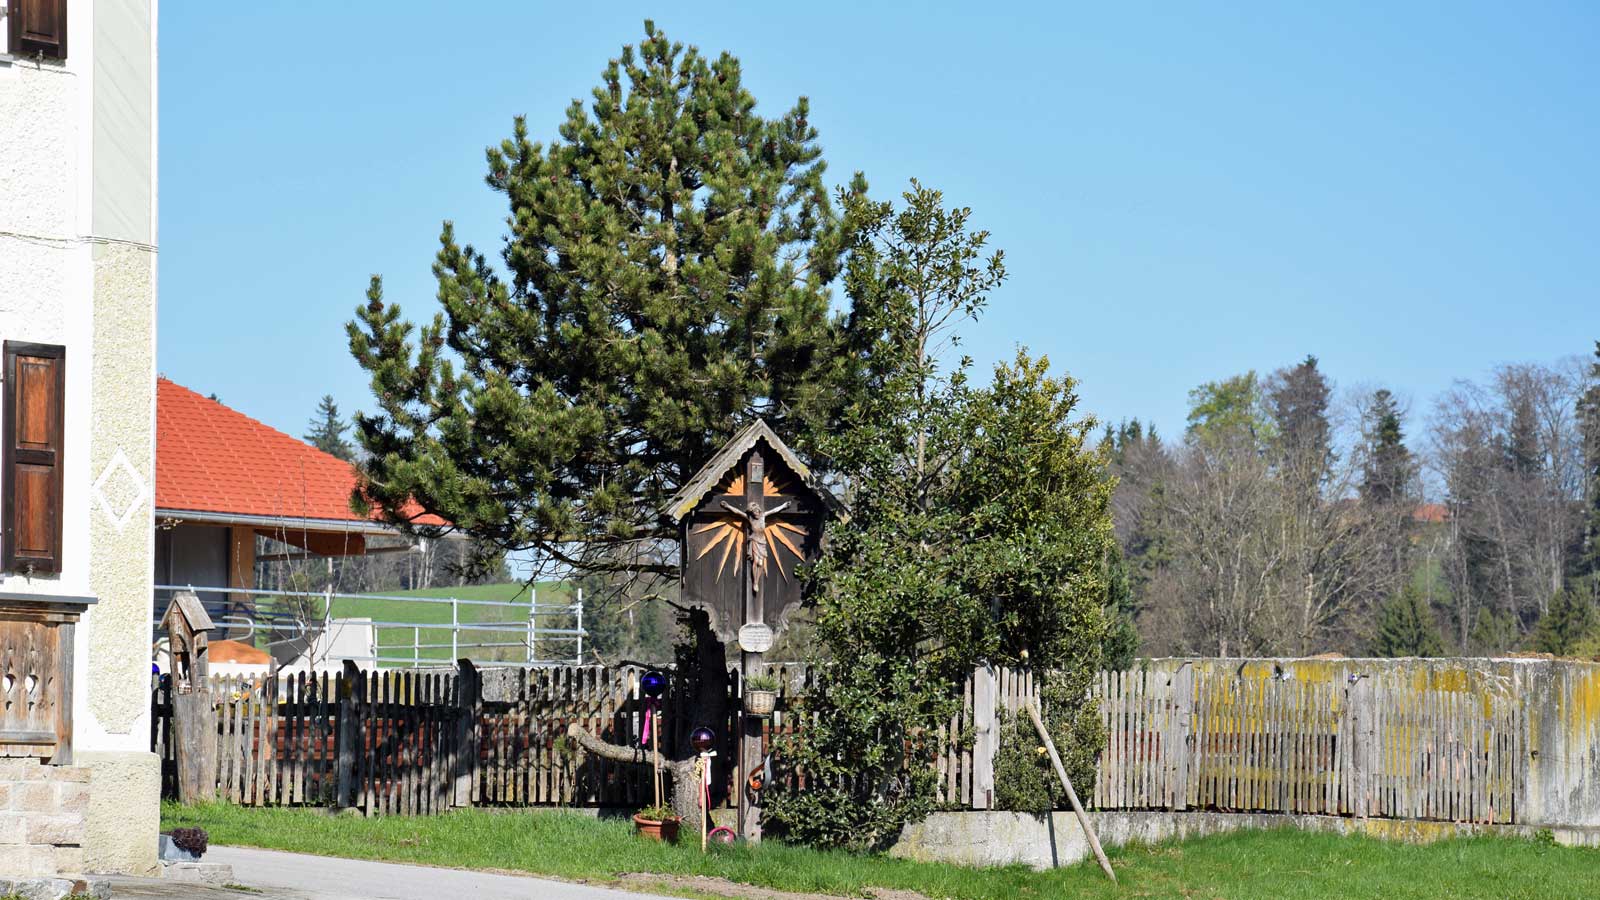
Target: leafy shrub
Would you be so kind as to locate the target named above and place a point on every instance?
(1024, 779)
(979, 532)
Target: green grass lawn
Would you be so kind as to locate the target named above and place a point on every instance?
(1263, 864)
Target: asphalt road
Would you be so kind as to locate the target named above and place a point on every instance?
(297, 876)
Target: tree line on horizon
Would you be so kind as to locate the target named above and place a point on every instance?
(1290, 519)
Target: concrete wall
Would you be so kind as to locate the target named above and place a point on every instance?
(991, 838)
(78, 268)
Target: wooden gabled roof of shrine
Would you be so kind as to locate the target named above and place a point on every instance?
(187, 605)
(711, 474)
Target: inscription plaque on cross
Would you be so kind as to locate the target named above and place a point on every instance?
(748, 519)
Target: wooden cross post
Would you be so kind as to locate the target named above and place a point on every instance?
(748, 519)
(750, 661)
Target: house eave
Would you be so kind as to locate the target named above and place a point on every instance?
(292, 523)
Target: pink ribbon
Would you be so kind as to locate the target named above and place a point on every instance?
(649, 718)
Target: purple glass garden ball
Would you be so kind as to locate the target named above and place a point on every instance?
(701, 739)
(653, 683)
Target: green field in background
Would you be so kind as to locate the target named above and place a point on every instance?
(397, 641)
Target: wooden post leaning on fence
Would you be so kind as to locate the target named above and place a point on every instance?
(469, 709)
(1072, 795)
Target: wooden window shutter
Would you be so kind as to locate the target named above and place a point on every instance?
(37, 27)
(32, 428)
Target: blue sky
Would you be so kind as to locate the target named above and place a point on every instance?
(1408, 191)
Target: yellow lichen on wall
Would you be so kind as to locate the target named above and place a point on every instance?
(1583, 710)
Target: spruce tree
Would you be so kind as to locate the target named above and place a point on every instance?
(1589, 425)
(1569, 621)
(1121, 643)
(1523, 454)
(327, 430)
(1297, 398)
(1407, 627)
(666, 278)
(1388, 469)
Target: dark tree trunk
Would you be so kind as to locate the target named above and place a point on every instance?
(700, 685)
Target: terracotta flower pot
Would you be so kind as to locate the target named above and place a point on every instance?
(760, 703)
(666, 831)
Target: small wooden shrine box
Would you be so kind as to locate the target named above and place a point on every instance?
(747, 519)
(36, 644)
(188, 628)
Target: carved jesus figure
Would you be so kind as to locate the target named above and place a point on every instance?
(756, 549)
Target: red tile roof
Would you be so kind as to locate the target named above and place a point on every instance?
(1430, 513)
(210, 458)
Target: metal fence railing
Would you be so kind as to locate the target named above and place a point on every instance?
(394, 629)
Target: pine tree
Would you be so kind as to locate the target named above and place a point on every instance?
(1407, 627)
(1388, 469)
(326, 430)
(666, 279)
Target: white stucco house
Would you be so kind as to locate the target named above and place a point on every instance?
(79, 786)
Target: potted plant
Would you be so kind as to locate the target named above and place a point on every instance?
(760, 695)
(657, 823)
(184, 844)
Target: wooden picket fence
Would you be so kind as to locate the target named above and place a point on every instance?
(1455, 741)
(1336, 741)
(423, 741)
(385, 742)
(1406, 739)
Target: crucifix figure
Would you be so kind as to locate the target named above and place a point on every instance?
(756, 546)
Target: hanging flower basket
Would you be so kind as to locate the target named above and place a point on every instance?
(760, 703)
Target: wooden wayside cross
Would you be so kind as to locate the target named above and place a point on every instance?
(747, 520)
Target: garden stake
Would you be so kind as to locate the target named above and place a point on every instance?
(705, 801)
(1072, 795)
(655, 756)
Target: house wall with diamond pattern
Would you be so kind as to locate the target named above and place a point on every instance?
(78, 275)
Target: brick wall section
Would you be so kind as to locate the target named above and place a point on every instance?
(41, 817)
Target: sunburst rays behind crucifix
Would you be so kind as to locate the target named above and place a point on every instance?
(748, 531)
